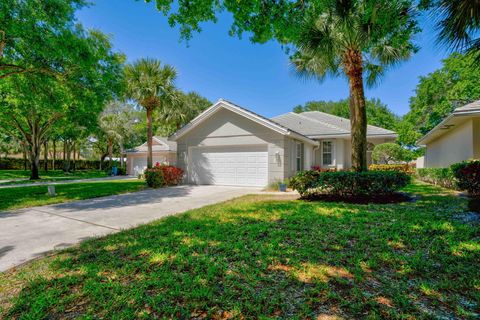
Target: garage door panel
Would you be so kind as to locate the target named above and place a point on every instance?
(243, 166)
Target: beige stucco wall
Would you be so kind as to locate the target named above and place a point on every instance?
(456, 144)
(343, 151)
(226, 128)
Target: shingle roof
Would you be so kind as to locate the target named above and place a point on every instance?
(316, 123)
(474, 106)
(165, 146)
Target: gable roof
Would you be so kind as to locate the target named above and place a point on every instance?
(316, 124)
(454, 118)
(162, 145)
(224, 104)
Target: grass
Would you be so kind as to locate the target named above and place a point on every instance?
(56, 175)
(23, 197)
(258, 257)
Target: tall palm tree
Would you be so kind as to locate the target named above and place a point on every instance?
(458, 23)
(358, 39)
(151, 84)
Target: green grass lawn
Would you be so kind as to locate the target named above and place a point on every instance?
(23, 197)
(56, 175)
(259, 257)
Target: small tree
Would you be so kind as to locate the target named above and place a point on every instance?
(386, 153)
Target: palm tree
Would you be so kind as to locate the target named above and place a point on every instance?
(458, 23)
(151, 84)
(358, 39)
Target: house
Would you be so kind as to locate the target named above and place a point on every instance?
(229, 145)
(455, 139)
(163, 151)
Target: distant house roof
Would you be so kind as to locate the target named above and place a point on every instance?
(316, 124)
(161, 144)
(454, 118)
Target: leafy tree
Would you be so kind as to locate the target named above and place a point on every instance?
(34, 37)
(117, 121)
(391, 153)
(459, 23)
(151, 85)
(456, 83)
(378, 113)
(188, 106)
(359, 39)
(32, 105)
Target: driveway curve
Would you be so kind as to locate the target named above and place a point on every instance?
(28, 233)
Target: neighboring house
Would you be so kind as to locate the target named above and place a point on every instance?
(163, 151)
(230, 145)
(455, 139)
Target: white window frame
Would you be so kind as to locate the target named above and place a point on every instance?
(299, 156)
(332, 153)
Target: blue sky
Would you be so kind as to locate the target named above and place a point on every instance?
(256, 76)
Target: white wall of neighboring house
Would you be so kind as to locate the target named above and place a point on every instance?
(455, 145)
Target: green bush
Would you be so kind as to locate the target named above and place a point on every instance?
(349, 183)
(154, 177)
(467, 174)
(438, 176)
(392, 167)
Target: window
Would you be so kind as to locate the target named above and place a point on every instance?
(327, 153)
(299, 156)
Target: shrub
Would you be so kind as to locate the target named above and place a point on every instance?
(467, 174)
(392, 167)
(163, 175)
(349, 183)
(320, 169)
(154, 177)
(438, 176)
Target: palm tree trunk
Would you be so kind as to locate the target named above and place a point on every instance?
(149, 137)
(54, 154)
(45, 155)
(358, 114)
(110, 152)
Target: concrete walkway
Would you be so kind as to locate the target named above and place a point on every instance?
(49, 183)
(32, 232)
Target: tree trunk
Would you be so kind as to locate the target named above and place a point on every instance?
(45, 155)
(149, 137)
(358, 115)
(54, 155)
(64, 149)
(24, 156)
(110, 152)
(34, 153)
(73, 146)
(66, 156)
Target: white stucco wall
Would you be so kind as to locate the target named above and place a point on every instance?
(455, 145)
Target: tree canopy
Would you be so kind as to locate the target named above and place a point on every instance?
(456, 83)
(378, 114)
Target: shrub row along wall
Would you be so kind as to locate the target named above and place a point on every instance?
(438, 176)
(18, 164)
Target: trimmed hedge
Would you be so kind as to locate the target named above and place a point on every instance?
(349, 183)
(467, 174)
(443, 177)
(18, 164)
(392, 167)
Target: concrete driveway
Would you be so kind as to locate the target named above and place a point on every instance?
(29, 233)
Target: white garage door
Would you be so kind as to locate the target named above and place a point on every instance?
(234, 166)
(140, 164)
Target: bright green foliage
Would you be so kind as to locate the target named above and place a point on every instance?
(348, 183)
(438, 176)
(391, 153)
(467, 174)
(35, 37)
(378, 113)
(154, 177)
(438, 94)
(265, 257)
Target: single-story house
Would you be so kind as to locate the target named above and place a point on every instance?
(455, 139)
(230, 145)
(163, 151)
